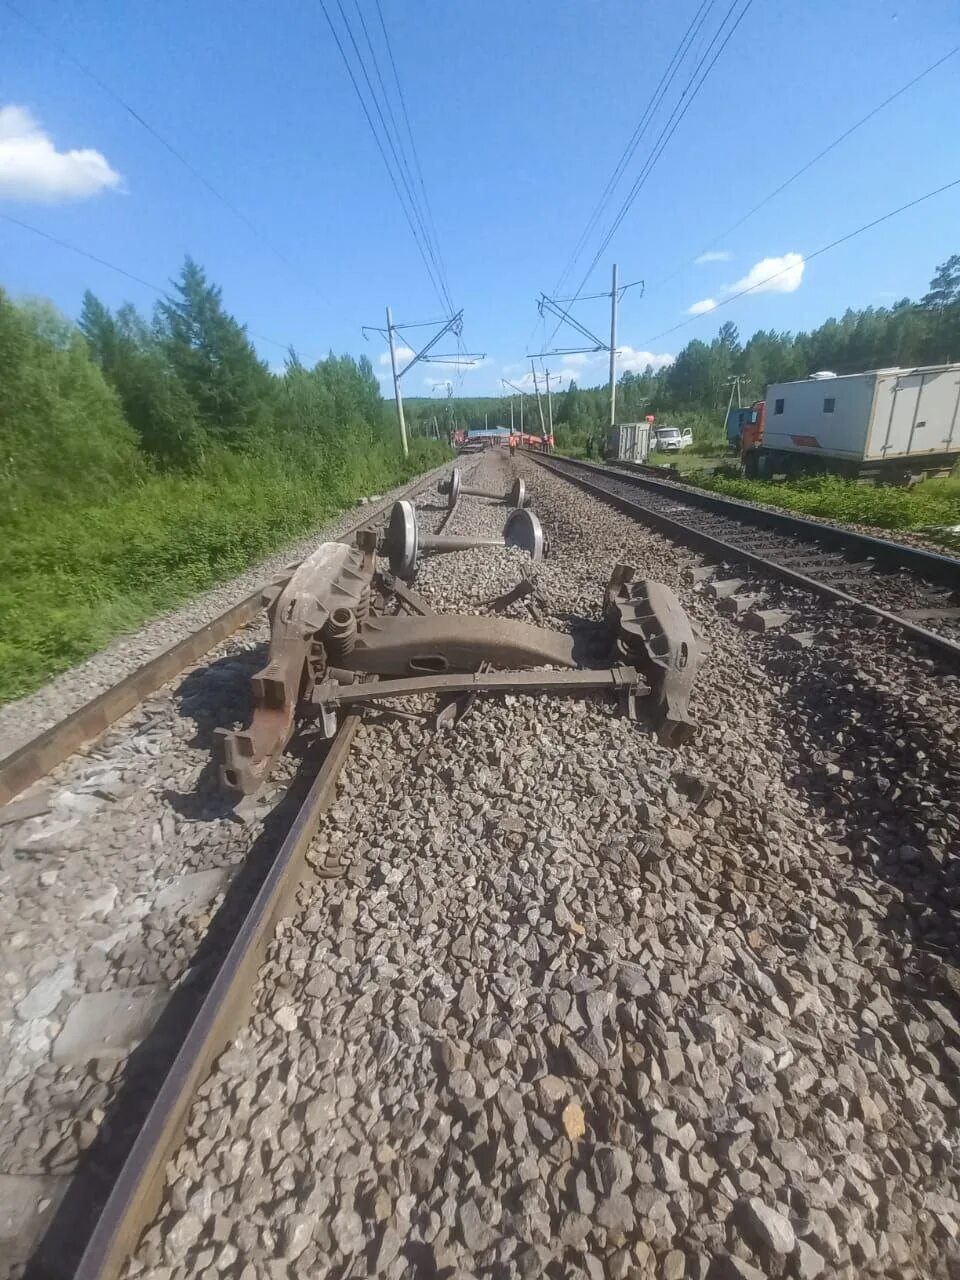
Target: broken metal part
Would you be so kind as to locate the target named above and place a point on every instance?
(529, 591)
(450, 642)
(387, 584)
(403, 541)
(332, 582)
(324, 642)
(454, 710)
(454, 488)
(653, 631)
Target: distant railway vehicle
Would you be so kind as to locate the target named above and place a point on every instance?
(885, 424)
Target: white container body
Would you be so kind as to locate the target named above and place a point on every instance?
(629, 442)
(879, 416)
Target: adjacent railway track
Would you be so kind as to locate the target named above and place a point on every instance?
(916, 590)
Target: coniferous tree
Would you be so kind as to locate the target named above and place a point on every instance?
(210, 353)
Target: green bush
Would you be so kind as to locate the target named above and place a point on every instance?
(75, 575)
(931, 503)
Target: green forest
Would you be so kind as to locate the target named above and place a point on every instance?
(143, 460)
(694, 390)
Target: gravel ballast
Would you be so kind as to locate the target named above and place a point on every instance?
(586, 1006)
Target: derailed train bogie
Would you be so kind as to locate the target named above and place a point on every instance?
(325, 637)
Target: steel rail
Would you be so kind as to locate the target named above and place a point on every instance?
(138, 1190)
(35, 758)
(714, 546)
(932, 565)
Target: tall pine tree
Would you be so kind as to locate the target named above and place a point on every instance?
(214, 359)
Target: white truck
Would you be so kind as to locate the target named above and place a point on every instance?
(885, 423)
(672, 439)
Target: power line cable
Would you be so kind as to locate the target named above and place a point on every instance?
(413, 146)
(122, 271)
(383, 155)
(390, 112)
(850, 235)
(429, 235)
(673, 123)
(402, 169)
(696, 22)
(842, 137)
(687, 97)
(154, 133)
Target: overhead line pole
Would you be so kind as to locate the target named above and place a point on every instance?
(613, 348)
(455, 323)
(519, 390)
(536, 387)
(398, 396)
(564, 317)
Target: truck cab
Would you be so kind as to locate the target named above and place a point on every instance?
(747, 420)
(672, 439)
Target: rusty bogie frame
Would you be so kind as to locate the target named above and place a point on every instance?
(328, 650)
(653, 630)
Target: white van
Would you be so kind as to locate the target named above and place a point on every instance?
(672, 439)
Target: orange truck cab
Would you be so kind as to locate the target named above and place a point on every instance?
(745, 426)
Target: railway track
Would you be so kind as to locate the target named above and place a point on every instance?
(579, 1004)
(916, 590)
(118, 772)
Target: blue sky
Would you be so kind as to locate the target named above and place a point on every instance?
(520, 112)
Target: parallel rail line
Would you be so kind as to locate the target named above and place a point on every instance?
(796, 549)
(135, 1193)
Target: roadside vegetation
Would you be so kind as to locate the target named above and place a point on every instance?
(933, 505)
(144, 462)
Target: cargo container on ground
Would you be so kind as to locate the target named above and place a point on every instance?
(628, 442)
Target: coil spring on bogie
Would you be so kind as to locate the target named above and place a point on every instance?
(340, 634)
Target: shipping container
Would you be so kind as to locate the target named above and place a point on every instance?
(885, 420)
(628, 442)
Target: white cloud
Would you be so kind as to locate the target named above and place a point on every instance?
(769, 275)
(31, 168)
(773, 275)
(713, 255)
(403, 355)
(632, 361)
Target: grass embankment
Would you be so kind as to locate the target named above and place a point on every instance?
(73, 576)
(930, 503)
